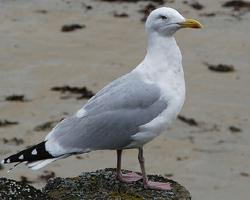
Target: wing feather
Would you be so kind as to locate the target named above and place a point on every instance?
(112, 117)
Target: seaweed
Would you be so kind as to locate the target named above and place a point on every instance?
(234, 129)
(5, 122)
(147, 10)
(84, 92)
(72, 27)
(47, 175)
(220, 67)
(47, 126)
(189, 121)
(160, 2)
(16, 97)
(237, 5)
(120, 15)
(14, 141)
(195, 5)
(24, 179)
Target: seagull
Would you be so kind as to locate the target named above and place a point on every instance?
(128, 112)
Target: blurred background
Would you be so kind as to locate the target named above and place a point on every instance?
(54, 55)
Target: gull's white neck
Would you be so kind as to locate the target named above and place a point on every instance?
(163, 58)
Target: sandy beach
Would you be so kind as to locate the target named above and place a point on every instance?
(210, 156)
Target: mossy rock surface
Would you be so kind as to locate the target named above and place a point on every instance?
(14, 190)
(102, 184)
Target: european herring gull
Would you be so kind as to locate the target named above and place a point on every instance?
(130, 111)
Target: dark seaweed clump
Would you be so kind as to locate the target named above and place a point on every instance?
(189, 121)
(13, 141)
(47, 126)
(72, 27)
(234, 129)
(160, 2)
(237, 5)
(16, 97)
(24, 179)
(5, 122)
(147, 10)
(220, 67)
(195, 5)
(82, 92)
(121, 15)
(47, 175)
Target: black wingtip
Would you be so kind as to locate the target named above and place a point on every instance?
(34, 153)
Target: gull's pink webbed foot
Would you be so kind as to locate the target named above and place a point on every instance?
(129, 177)
(157, 185)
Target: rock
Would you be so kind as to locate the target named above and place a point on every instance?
(13, 190)
(102, 184)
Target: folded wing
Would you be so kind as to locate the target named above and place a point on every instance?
(109, 119)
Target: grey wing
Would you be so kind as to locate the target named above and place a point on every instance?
(112, 116)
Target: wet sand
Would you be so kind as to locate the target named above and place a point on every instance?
(210, 160)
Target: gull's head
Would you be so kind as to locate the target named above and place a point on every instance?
(166, 21)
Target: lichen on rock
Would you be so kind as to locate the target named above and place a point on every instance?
(102, 184)
(14, 190)
(99, 185)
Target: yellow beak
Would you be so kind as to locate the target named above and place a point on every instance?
(190, 23)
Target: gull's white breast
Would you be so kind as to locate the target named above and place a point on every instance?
(169, 77)
(174, 94)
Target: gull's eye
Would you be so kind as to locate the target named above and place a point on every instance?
(163, 17)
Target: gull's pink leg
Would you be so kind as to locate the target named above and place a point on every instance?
(127, 178)
(150, 184)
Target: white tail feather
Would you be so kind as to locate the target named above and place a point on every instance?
(42, 163)
(32, 164)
